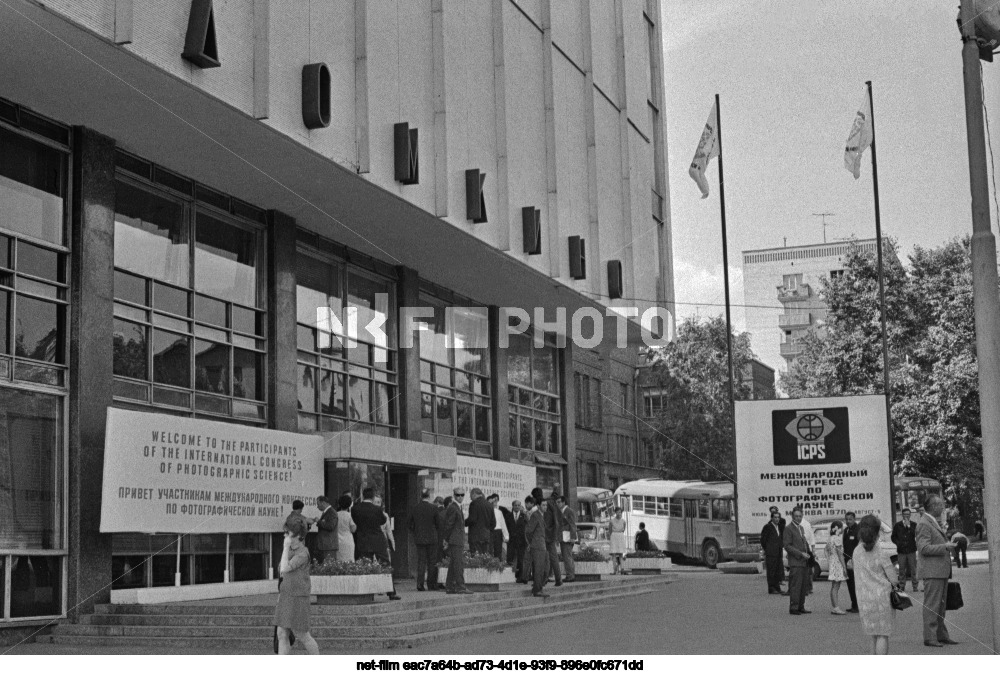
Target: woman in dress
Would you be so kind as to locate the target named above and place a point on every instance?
(838, 568)
(874, 578)
(292, 612)
(618, 545)
(345, 530)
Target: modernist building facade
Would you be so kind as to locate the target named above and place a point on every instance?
(781, 292)
(192, 194)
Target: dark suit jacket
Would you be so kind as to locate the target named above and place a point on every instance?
(481, 521)
(453, 526)
(642, 540)
(569, 524)
(326, 539)
(368, 539)
(796, 546)
(851, 540)
(534, 531)
(553, 522)
(508, 519)
(516, 528)
(425, 523)
(771, 540)
(905, 537)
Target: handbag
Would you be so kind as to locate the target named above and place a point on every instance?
(291, 639)
(899, 600)
(954, 600)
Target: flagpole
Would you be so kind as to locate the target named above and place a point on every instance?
(881, 297)
(725, 274)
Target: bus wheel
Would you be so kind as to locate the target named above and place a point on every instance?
(711, 554)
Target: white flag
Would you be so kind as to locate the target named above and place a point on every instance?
(860, 138)
(708, 147)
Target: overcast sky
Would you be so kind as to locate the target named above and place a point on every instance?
(790, 75)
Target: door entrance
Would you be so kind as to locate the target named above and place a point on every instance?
(402, 497)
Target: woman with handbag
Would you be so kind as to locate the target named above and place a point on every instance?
(292, 612)
(875, 578)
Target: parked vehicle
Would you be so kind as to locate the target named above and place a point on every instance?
(594, 535)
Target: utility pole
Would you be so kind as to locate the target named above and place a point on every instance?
(823, 215)
(985, 298)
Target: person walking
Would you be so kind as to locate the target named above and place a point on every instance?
(345, 529)
(569, 538)
(961, 542)
(904, 535)
(875, 578)
(934, 568)
(619, 546)
(371, 541)
(425, 523)
(453, 529)
(534, 531)
(481, 522)
(799, 555)
(850, 543)
(292, 612)
(772, 544)
(326, 525)
(838, 571)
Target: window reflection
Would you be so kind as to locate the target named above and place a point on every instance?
(31, 188)
(151, 235)
(171, 359)
(225, 260)
(40, 330)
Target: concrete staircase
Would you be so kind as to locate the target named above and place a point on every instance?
(232, 626)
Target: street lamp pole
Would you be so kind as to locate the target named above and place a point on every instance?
(986, 300)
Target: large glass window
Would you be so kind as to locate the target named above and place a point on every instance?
(141, 560)
(533, 392)
(189, 330)
(32, 188)
(346, 371)
(455, 400)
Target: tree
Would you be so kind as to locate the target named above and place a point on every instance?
(694, 428)
(932, 359)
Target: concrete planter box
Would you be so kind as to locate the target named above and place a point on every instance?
(481, 580)
(593, 570)
(646, 565)
(349, 589)
(162, 595)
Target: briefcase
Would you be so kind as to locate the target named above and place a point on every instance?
(954, 600)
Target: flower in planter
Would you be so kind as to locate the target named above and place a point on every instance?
(589, 555)
(478, 561)
(361, 567)
(646, 554)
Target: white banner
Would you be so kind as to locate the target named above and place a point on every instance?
(168, 474)
(510, 481)
(829, 455)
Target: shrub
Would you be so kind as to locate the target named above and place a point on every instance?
(586, 554)
(481, 560)
(361, 567)
(646, 554)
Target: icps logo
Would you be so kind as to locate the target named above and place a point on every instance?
(809, 428)
(803, 437)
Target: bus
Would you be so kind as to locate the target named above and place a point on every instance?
(684, 518)
(594, 504)
(912, 490)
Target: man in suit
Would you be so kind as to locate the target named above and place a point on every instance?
(799, 556)
(326, 538)
(369, 540)
(772, 543)
(553, 534)
(568, 537)
(534, 532)
(904, 535)
(481, 523)
(934, 568)
(453, 528)
(781, 528)
(518, 544)
(500, 535)
(850, 543)
(425, 523)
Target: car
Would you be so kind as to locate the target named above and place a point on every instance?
(821, 534)
(594, 535)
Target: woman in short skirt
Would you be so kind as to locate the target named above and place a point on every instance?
(838, 569)
(292, 613)
(619, 546)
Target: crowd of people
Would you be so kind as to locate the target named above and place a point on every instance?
(924, 551)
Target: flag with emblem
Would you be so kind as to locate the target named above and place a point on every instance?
(708, 147)
(861, 136)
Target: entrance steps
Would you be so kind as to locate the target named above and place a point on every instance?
(229, 626)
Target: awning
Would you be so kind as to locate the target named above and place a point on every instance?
(550, 459)
(61, 70)
(368, 448)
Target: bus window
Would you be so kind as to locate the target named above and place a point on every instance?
(720, 510)
(650, 508)
(690, 508)
(637, 504)
(661, 506)
(704, 512)
(676, 507)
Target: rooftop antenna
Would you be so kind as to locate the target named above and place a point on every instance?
(823, 215)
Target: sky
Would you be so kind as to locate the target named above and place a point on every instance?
(791, 76)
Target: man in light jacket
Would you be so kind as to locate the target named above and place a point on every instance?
(453, 529)
(799, 555)
(934, 568)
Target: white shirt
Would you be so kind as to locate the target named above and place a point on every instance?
(501, 524)
(807, 533)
